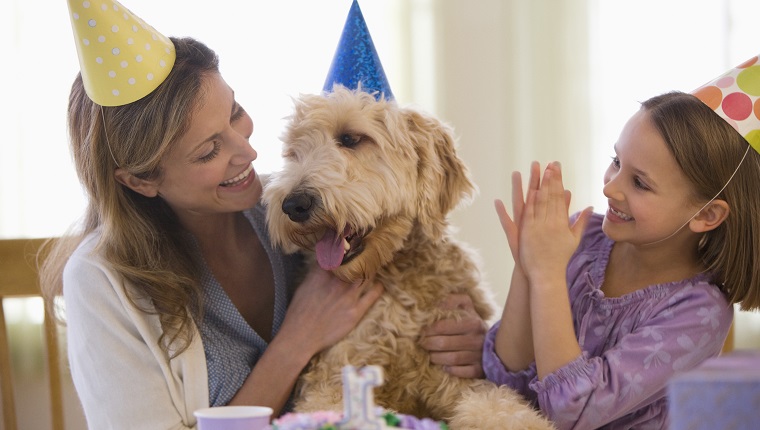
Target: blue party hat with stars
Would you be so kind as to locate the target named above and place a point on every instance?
(356, 61)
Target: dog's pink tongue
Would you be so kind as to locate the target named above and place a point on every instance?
(330, 250)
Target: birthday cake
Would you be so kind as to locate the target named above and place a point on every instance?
(360, 412)
(330, 420)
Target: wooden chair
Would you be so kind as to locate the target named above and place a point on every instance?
(18, 278)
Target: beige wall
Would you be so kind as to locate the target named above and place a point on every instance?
(503, 82)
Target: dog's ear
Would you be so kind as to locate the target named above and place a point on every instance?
(443, 180)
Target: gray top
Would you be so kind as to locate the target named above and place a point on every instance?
(231, 346)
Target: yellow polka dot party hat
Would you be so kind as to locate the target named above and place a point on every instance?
(122, 59)
(735, 97)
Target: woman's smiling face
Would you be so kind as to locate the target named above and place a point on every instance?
(209, 170)
(648, 195)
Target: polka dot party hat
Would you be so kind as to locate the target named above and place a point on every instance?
(735, 96)
(356, 60)
(122, 59)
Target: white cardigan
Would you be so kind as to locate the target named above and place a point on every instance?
(113, 353)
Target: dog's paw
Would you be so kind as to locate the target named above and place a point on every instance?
(497, 408)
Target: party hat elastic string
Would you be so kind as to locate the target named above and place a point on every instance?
(105, 133)
(706, 204)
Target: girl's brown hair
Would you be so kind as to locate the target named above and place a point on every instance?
(708, 150)
(139, 236)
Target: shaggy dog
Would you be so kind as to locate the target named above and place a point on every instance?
(367, 186)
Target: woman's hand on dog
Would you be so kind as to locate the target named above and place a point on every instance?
(322, 312)
(325, 309)
(457, 343)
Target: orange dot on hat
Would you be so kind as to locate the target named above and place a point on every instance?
(710, 95)
(748, 63)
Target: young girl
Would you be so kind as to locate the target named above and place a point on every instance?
(604, 309)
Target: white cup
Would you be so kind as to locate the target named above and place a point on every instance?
(233, 418)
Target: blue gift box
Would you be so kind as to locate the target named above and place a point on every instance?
(722, 393)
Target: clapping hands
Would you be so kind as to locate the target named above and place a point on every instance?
(540, 234)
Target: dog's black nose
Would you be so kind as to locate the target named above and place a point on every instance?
(298, 206)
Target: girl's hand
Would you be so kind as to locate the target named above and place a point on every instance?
(514, 342)
(511, 226)
(325, 309)
(457, 343)
(547, 239)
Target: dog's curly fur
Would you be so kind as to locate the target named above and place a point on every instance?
(387, 177)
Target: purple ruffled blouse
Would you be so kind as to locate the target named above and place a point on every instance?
(631, 345)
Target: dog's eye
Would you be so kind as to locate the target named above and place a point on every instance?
(348, 140)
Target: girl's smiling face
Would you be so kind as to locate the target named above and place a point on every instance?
(648, 195)
(209, 170)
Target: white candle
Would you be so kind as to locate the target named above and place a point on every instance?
(358, 397)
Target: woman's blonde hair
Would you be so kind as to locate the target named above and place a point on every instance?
(139, 236)
(708, 150)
